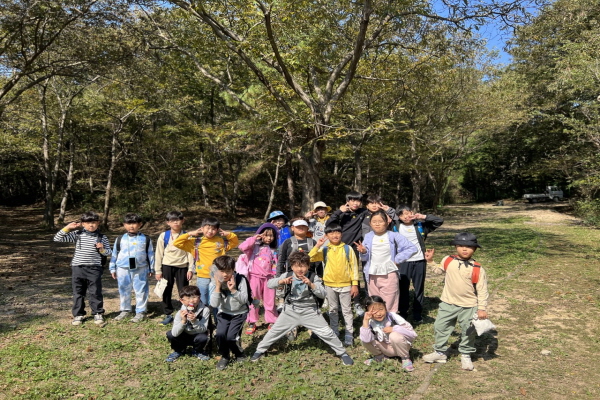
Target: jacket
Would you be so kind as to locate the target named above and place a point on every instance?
(400, 248)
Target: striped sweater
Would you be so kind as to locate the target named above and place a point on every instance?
(86, 252)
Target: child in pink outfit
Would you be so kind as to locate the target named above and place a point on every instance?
(261, 253)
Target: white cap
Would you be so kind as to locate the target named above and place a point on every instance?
(300, 222)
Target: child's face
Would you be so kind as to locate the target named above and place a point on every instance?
(334, 237)
(378, 224)
(465, 252)
(132, 227)
(300, 231)
(175, 225)
(267, 236)
(225, 274)
(321, 212)
(300, 269)
(91, 226)
(373, 207)
(354, 204)
(407, 217)
(209, 231)
(190, 301)
(278, 222)
(378, 311)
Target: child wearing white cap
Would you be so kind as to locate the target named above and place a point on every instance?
(317, 218)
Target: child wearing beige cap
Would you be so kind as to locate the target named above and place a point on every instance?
(317, 218)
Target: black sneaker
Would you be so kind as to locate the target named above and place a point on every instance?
(346, 359)
(256, 356)
(240, 360)
(168, 320)
(222, 363)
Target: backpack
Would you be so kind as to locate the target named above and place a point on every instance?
(288, 288)
(167, 236)
(295, 247)
(118, 245)
(238, 281)
(103, 258)
(474, 274)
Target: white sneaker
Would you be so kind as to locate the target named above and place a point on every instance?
(78, 320)
(139, 317)
(98, 319)
(122, 316)
(435, 357)
(466, 363)
(359, 310)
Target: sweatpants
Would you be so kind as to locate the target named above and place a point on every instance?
(412, 271)
(197, 341)
(292, 317)
(445, 321)
(136, 280)
(260, 291)
(397, 347)
(386, 287)
(229, 330)
(337, 297)
(174, 276)
(87, 278)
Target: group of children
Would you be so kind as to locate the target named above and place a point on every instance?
(291, 270)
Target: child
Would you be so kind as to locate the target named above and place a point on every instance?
(465, 294)
(261, 253)
(350, 216)
(415, 227)
(175, 265)
(90, 249)
(229, 294)
(340, 277)
(280, 220)
(374, 204)
(301, 308)
(382, 250)
(206, 249)
(190, 327)
(298, 242)
(385, 334)
(317, 219)
(132, 262)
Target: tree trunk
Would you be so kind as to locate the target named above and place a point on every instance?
(311, 158)
(223, 185)
(111, 169)
(357, 169)
(416, 176)
(203, 177)
(48, 187)
(68, 186)
(290, 181)
(274, 180)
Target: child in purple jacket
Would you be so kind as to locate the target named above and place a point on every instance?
(386, 334)
(261, 253)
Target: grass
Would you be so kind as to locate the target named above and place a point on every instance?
(544, 296)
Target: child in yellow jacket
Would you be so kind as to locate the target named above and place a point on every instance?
(340, 277)
(205, 249)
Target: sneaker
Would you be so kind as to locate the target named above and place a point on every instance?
(348, 340)
(203, 357)
(168, 320)
(435, 357)
(122, 316)
(292, 335)
(270, 326)
(173, 356)
(251, 329)
(222, 363)
(376, 359)
(139, 317)
(241, 359)
(359, 310)
(346, 359)
(256, 356)
(98, 319)
(465, 362)
(78, 320)
(407, 365)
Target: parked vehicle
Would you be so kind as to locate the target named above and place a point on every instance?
(551, 193)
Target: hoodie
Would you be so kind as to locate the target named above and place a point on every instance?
(261, 258)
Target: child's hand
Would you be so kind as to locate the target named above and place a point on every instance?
(159, 276)
(388, 329)
(368, 316)
(258, 236)
(286, 281)
(345, 208)
(99, 246)
(189, 275)
(482, 314)
(384, 207)
(353, 291)
(73, 225)
(223, 233)
(420, 216)
(429, 255)
(361, 249)
(320, 242)
(231, 284)
(304, 279)
(183, 314)
(114, 275)
(197, 232)
(309, 214)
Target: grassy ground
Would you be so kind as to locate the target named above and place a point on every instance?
(542, 268)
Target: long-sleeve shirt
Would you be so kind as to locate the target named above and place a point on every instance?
(227, 302)
(199, 325)
(86, 252)
(399, 325)
(458, 286)
(208, 249)
(302, 298)
(286, 249)
(400, 249)
(171, 255)
(263, 258)
(351, 223)
(341, 269)
(132, 246)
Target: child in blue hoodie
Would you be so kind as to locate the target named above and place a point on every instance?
(280, 220)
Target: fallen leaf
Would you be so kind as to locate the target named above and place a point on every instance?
(523, 392)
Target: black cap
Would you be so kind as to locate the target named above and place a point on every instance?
(465, 239)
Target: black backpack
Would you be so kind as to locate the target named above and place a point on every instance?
(238, 281)
(118, 245)
(288, 288)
